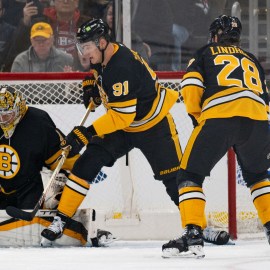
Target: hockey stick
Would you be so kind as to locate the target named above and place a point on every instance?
(28, 216)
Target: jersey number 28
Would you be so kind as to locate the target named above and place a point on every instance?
(251, 76)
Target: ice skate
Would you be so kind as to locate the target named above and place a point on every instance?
(55, 230)
(190, 243)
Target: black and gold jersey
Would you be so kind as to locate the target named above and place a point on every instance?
(34, 144)
(131, 94)
(225, 81)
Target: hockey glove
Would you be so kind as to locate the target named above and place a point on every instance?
(77, 139)
(90, 92)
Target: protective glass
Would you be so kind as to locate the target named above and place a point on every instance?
(86, 48)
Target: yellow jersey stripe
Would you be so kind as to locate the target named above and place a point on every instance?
(232, 97)
(175, 136)
(194, 134)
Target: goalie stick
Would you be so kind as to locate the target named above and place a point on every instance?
(28, 216)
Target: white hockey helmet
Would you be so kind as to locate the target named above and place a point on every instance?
(12, 109)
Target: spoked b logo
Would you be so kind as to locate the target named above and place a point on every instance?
(9, 162)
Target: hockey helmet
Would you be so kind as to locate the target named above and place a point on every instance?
(227, 29)
(12, 109)
(93, 30)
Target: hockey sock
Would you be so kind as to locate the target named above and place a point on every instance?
(73, 194)
(192, 205)
(260, 193)
(204, 224)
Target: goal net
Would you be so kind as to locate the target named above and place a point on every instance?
(129, 202)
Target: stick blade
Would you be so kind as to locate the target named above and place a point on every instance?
(18, 213)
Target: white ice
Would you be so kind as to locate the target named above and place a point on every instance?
(245, 255)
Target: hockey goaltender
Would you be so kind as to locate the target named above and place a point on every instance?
(29, 141)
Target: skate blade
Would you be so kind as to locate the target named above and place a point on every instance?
(45, 242)
(197, 251)
(174, 253)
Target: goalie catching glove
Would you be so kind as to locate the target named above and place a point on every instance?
(79, 137)
(90, 92)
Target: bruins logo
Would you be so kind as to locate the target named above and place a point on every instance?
(9, 162)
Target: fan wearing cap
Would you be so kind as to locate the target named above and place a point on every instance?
(41, 56)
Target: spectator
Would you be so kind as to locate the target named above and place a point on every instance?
(6, 31)
(146, 22)
(14, 11)
(81, 63)
(137, 43)
(196, 16)
(109, 19)
(42, 56)
(179, 29)
(64, 17)
(93, 8)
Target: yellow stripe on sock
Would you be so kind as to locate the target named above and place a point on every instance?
(192, 206)
(260, 193)
(72, 198)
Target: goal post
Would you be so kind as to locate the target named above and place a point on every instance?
(130, 203)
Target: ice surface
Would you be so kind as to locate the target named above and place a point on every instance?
(245, 255)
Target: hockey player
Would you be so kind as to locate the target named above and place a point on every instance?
(29, 140)
(137, 116)
(225, 93)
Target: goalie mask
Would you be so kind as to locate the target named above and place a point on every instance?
(12, 109)
(226, 28)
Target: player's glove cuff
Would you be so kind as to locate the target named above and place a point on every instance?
(77, 139)
(90, 92)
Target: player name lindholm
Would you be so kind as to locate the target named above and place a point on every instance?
(227, 50)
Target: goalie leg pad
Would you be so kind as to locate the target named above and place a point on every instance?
(54, 193)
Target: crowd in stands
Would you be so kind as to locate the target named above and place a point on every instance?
(162, 34)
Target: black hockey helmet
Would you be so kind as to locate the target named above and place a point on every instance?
(227, 29)
(93, 30)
